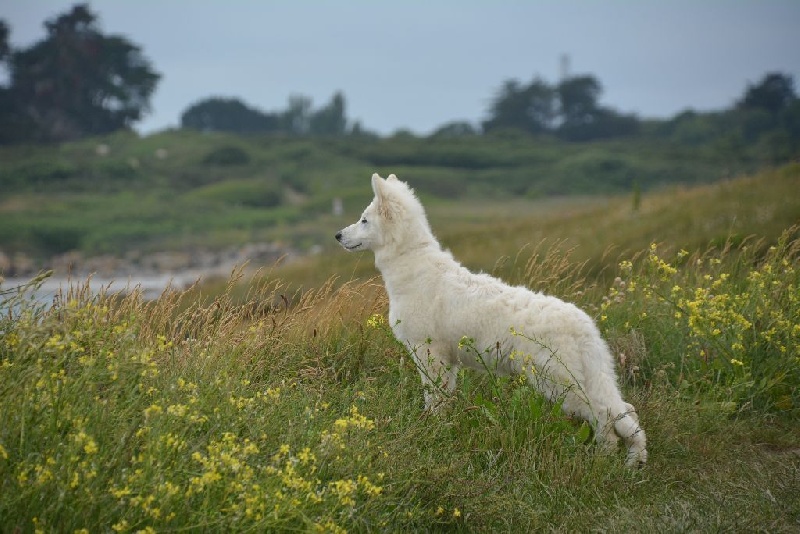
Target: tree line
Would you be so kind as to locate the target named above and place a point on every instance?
(569, 110)
(78, 82)
(233, 115)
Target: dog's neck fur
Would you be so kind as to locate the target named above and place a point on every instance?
(411, 245)
(410, 260)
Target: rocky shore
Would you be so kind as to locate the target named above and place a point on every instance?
(152, 273)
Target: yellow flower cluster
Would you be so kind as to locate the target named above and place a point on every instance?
(261, 487)
(376, 321)
(69, 467)
(125, 410)
(739, 313)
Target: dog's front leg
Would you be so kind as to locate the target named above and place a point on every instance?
(438, 378)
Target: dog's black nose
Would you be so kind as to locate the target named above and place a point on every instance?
(338, 236)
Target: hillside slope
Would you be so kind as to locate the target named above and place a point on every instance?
(499, 236)
(182, 189)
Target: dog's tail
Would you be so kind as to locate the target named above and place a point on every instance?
(626, 425)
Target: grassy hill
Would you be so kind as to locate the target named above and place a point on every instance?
(183, 189)
(265, 408)
(499, 236)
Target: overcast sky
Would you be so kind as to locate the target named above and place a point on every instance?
(417, 64)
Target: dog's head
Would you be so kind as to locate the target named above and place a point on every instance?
(394, 218)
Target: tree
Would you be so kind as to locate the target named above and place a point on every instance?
(295, 119)
(775, 94)
(358, 130)
(578, 100)
(14, 126)
(228, 115)
(570, 110)
(5, 47)
(528, 108)
(455, 129)
(233, 115)
(331, 119)
(765, 114)
(78, 81)
(540, 110)
(583, 119)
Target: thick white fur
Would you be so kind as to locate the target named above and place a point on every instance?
(451, 318)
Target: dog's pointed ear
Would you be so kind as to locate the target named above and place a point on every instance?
(377, 185)
(391, 178)
(383, 201)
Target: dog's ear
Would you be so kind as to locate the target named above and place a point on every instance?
(376, 181)
(377, 186)
(383, 201)
(391, 178)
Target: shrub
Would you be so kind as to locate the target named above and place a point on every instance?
(725, 322)
(227, 156)
(240, 193)
(36, 173)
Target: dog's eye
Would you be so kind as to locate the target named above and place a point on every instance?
(364, 220)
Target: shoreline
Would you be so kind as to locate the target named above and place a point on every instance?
(150, 286)
(151, 274)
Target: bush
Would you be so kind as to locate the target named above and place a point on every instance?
(56, 238)
(249, 193)
(36, 173)
(595, 171)
(227, 156)
(724, 322)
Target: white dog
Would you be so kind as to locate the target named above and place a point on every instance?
(449, 318)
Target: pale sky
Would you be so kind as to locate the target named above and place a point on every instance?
(417, 64)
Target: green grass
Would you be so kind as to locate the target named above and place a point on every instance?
(264, 408)
(177, 188)
(498, 236)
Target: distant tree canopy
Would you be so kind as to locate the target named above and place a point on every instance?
(528, 108)
(228, 115)
(766, 116)
(775, 94)
(569, 110)
(75, 82)
(5, 48)
(578, 100)
(456, 129)
(330, 119)
(78, 81)
(233, 115)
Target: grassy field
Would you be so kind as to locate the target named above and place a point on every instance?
(264, 407)
(500, 236)
(183, 189)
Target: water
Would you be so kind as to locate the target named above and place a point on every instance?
(150, 286)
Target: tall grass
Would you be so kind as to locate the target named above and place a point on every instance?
(493, 236)
(297, 410)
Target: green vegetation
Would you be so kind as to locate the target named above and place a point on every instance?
(73, 83)
(182, 189)
(497, 236)
(282, 402)
(236, 174)
(268, 408)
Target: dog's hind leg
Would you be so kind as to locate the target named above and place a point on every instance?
(626, 424)
(597, 415)
(604, 431)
